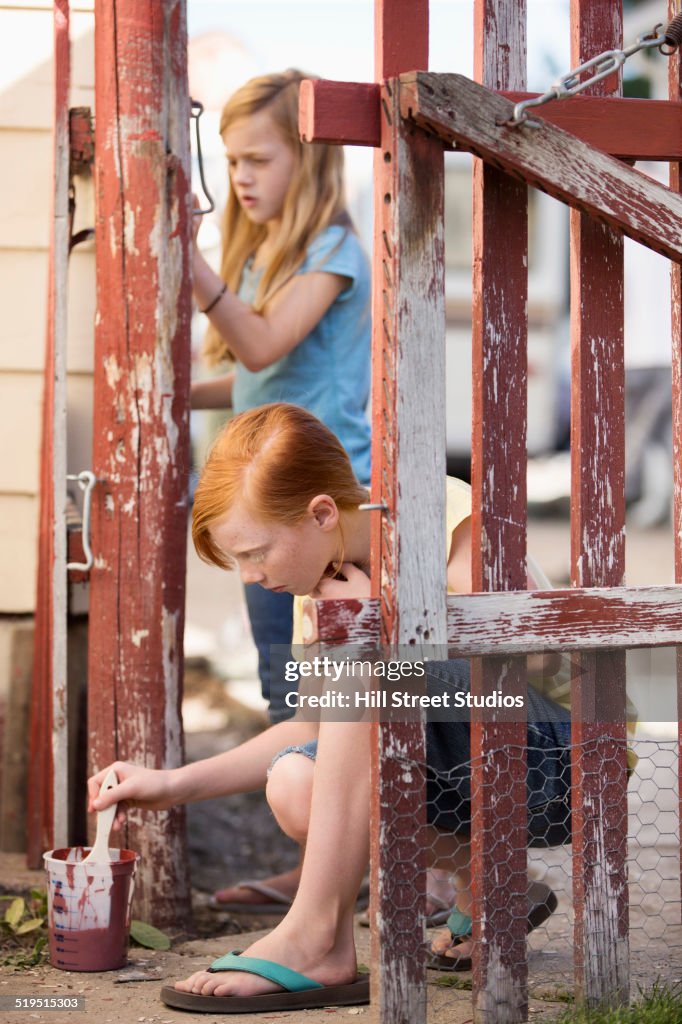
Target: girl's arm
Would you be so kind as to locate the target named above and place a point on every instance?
(212, 393)
(259, 339)
(240, 770)
(459, 580)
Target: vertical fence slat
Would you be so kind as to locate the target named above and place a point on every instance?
(675, 94)
(48, 788)
(597, 559)
(409, 344)
(401, 31)
(499, 536)
(141, 436)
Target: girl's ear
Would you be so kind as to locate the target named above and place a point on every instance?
(324, 511)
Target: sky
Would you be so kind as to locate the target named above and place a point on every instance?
(334, 38)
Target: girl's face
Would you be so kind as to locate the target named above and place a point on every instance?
(281, 557)
(260, 165)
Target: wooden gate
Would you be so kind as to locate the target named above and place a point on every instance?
(409, 118)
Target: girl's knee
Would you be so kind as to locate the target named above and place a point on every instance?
(288, 791)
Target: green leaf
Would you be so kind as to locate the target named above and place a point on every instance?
(15, 912)
(30, 925)
(148, 936)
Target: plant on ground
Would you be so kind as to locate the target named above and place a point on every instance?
(659, 1005)
(23, 931)
(148, 936)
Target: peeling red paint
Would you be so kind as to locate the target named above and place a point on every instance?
(141, 430)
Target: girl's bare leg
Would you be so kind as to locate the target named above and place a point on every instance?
(452, 852)
(316, 935)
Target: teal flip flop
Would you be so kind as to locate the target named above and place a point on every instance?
(539, 909)
(301, 993)
(460, 927)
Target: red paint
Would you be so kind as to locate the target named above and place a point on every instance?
(627, 128)
(675, 94)
(401, 37)
(603, 618)
(560, 164)
(40, 810)
(141, 419)
(632, 129)
(599, 775)
(340, 112)
(498, 525)
(403, 223)
(84, 948)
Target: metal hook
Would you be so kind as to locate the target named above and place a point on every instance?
(196, 111)
(86, 481)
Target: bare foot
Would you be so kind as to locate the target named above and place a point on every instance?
(444, 944)
(286, 883)
(333, 964)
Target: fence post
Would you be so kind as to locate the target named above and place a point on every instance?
(141, 435)
(675, 95)
(498, 477)
(599, 776)
(48, 788)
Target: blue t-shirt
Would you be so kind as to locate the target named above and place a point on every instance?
(328, 372)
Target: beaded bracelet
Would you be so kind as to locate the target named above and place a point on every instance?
(216, 300)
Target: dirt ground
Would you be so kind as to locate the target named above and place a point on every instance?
(237, 837)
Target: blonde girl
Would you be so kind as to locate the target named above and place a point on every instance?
(291, 302)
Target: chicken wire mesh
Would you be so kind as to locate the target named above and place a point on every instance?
(654, 908)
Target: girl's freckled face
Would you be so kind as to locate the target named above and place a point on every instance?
(260, 164)
(277, 556)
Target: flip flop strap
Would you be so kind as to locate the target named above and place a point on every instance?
(265, 890)
(292, 981)
(459, 924)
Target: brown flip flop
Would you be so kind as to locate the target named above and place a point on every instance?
(300, 993)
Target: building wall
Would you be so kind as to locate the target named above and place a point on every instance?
(26, 177)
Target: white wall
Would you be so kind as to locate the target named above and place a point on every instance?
(26, 105)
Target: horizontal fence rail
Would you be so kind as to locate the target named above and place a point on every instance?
(523, 622)
(461, 112)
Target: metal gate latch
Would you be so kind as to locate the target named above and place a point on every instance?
(86, 481)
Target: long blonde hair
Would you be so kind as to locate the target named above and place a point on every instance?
(275, 459)
(315, 198)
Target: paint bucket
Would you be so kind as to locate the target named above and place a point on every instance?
(89, 909)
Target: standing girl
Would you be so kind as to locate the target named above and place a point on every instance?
(291, 307)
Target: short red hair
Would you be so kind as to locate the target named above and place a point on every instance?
(275, 459)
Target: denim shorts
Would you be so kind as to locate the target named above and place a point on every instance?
(448, 762)
(308, 750)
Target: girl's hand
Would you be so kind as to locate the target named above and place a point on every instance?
(353, 582)
(147, 788)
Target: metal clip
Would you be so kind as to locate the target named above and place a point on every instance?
(605, 64)
(86, 481)
(196, 111)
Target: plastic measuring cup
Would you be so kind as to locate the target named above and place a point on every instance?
(89, 909)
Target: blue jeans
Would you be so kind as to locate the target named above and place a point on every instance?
(548, 755)
(271, 617)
